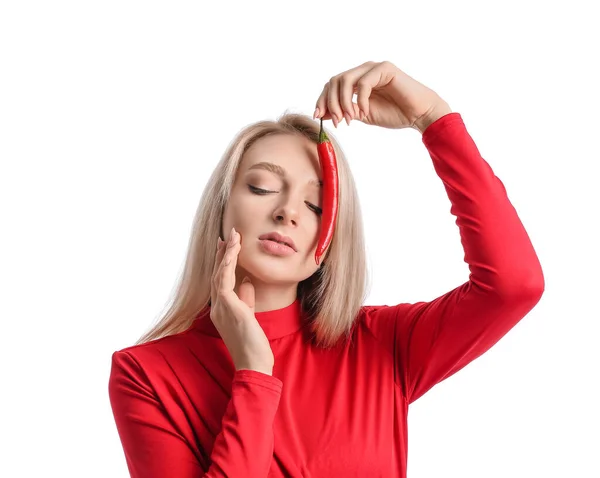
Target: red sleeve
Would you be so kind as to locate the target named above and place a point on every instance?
(430, 341)
(152, 446)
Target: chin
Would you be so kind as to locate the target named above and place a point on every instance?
(268, 268)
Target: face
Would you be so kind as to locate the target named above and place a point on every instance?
(284, 197)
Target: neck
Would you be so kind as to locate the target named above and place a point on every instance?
(268, 296)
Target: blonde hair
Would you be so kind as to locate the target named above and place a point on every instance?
(331, 297)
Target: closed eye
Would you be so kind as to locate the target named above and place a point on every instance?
(261, 192)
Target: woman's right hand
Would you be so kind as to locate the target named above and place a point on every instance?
(233, 316)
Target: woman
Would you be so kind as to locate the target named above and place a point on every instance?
(270, 365)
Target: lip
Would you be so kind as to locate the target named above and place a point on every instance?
(275, 236)
(275, 248)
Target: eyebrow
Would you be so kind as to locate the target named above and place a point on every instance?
(275, 168)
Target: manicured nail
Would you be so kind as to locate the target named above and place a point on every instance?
(316, 113)
(348, 118)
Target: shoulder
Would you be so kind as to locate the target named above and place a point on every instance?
(154, 353)
(382, 321)
(383, 315)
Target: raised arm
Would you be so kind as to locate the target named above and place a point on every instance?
(431, 341)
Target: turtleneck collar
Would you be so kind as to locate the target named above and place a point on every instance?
(275, 323)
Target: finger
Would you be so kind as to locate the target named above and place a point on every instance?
(358, 113)
(380, 75)
(218, 259)
(247, 295)
(346, 92)
(221, 251)
(227, 271)
(218, 256)
(326, 116)
(333, 101)
(347, 83)
(363, 91)
(321, 106)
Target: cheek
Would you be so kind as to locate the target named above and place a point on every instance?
(238, 214)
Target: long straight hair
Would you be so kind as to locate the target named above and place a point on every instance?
(331, 297)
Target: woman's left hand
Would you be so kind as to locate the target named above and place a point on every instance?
(386, 97)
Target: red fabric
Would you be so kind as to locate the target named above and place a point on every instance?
(182, 411)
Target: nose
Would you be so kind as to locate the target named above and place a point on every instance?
(288, 211)
(287, 216)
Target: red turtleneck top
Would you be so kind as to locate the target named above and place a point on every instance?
(182, 411)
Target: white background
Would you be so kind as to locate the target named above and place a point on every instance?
(113, 114)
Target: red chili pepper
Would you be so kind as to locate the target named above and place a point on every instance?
(330, 192)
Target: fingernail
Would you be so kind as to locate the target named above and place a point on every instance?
(348, 119)
(246, 279)
(316, 113)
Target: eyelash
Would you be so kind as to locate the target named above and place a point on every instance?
(260, 191)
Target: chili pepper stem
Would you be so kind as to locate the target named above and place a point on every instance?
(322, 134)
